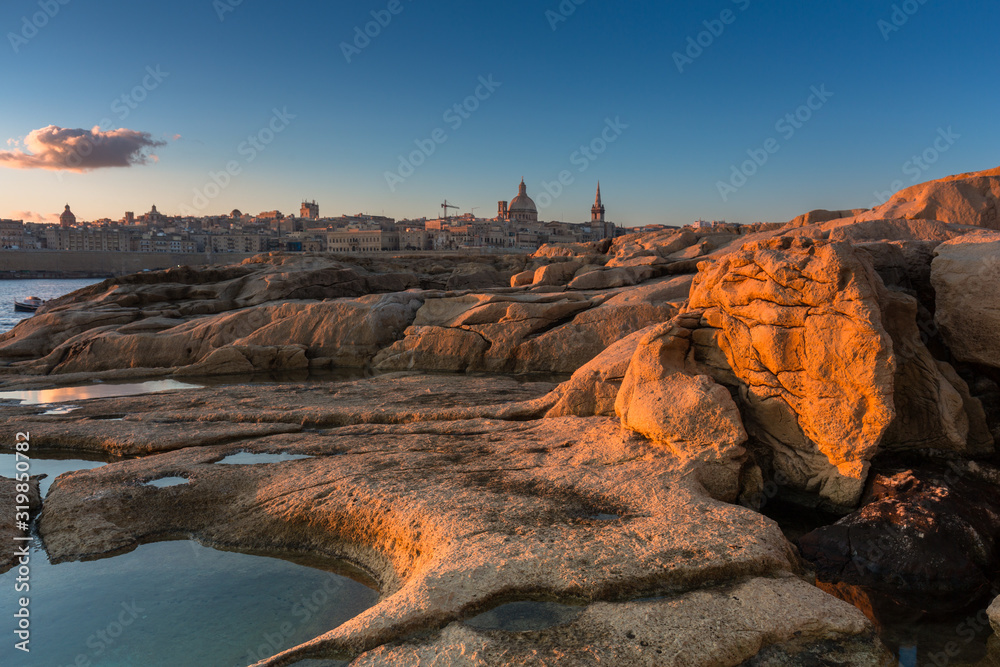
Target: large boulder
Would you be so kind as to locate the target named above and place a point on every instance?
(823, 215)
(553, 250)
(518, 333)
(967, 199)
(965, 275)
(690, 414)
(994, 614)
(484, 332)
(603, 279)
(898, 229)
(559, 273)
(594, 387)
(801, 328)
(930, 534)
(184, 295)
(342, 332)
(629, 250)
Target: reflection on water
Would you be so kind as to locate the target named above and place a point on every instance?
(175, 603)
(50, 467)
(245, 458)
(62, 410)
(63, 394)
(167, 482)
(958, 641)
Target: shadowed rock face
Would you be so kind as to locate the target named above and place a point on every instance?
(965, 274)
(929, 533)
(12, 493)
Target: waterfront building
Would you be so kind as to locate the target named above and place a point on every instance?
(11, 234)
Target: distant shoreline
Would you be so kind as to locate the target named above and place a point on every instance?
(55, 275)
(70, 264)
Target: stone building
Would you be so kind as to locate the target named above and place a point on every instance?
(521, 209)
(309, 210)
(67, 219)
(362, 240)
(11, 234)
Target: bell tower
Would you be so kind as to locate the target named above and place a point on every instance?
(597, 211)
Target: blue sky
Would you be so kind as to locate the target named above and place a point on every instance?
(889, 92)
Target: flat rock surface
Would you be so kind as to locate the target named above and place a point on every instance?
(716, 626)
(138, 425)
(454, 497)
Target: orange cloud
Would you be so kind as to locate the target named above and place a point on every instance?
(63, 149)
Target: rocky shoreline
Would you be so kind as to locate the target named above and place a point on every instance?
(846, 362)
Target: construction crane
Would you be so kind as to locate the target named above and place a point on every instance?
(473, 211)
(445, 206)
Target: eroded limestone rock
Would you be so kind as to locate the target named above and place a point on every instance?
(780, 618)
(691, 414)
(801, 328)
(449, 517)
(966, 199)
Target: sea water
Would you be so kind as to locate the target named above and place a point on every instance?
(18, 290)
(172, 603)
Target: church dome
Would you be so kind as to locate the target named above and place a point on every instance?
(522, 203)
(67, 219)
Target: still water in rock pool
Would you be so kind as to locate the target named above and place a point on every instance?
(83, 393)
(50, 466)
(174, 603)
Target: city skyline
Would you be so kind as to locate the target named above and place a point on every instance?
(735, 109)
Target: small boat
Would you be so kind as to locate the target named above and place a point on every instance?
(29, 305)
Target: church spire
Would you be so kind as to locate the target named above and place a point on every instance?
(597, 212)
